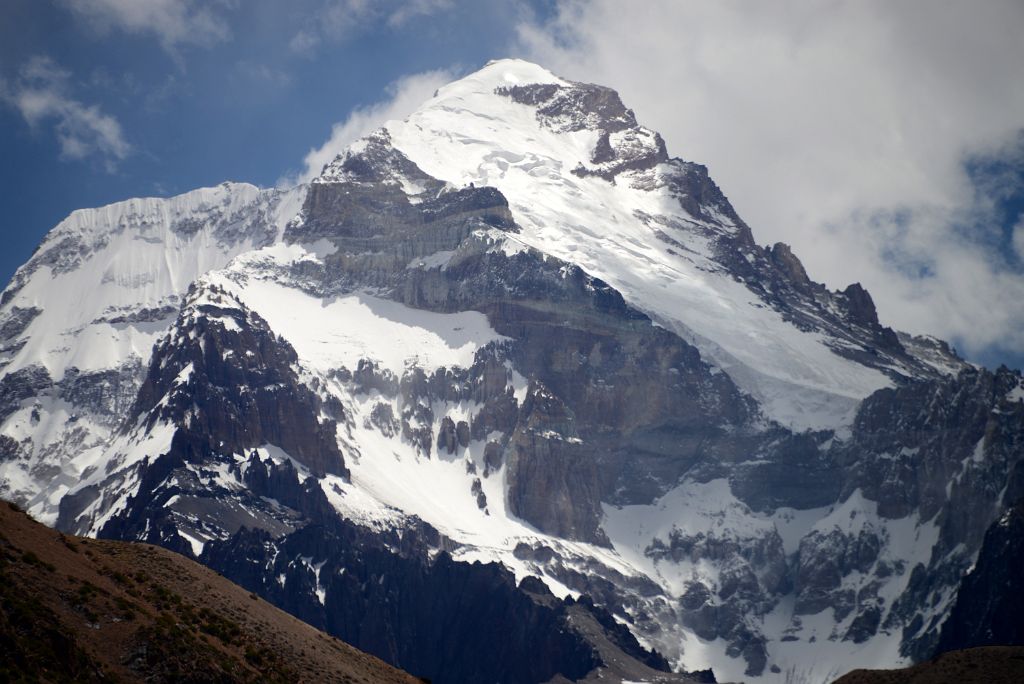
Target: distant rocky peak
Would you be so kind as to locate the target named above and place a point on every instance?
(204, 294)
(372, 197)
(574, 107)
(225, 378)
(860, 305)
(222, 219)
(373, 159)
(782, 256)
(622, 144)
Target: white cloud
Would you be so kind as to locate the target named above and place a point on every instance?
(264, 74)
(404, 96)
(41, 95)
(336, 20)
(173, 22)
(410, 9)
(339, 20)
(838, 126)
(304, 42)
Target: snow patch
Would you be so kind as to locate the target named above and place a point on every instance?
(328, 334)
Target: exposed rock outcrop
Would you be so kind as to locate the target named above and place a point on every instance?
(552, 479)
(990, 600)
(227, 380)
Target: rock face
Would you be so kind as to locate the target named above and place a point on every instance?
(228, 385)
(988, 604)
(507, 392)
(951, 463)
(360, 206)
(229, 381)
(443, 620)
(553, 483)
(578, 107)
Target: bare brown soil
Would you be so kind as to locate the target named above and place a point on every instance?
(82, 610)
(985, 665)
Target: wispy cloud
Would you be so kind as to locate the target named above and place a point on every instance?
(41, 94)
(264, 74)
(838, 126)
(403, 97)
(305, 41)
(339, 20)
(173, 22)
(411, 9)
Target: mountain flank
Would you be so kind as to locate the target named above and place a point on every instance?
(84, 610)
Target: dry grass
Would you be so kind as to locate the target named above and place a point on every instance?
(74, 609)
(986, 665)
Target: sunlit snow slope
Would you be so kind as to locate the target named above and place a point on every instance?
(81, 317)
(469, 133)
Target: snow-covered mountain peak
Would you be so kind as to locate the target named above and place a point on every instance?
(91, 229)
(601, 136)
(586, 183)
(499, 73)
(123, 266)
(514, 329)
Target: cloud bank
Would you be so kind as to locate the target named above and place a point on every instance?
(839, 126)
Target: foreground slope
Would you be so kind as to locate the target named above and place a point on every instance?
(986, 665)
(510, 364)
(73, 609)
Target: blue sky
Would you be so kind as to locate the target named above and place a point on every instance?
(882, 140)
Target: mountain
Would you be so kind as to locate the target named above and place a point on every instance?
(75, 609)
(522, 388)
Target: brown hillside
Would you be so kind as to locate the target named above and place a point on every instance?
(82, 610)
(986, 665)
